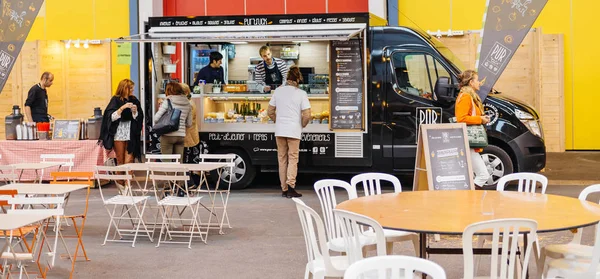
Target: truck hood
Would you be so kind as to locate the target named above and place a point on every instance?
(509, 104)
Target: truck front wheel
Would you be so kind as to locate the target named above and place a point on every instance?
(498, 164)
(243, 171)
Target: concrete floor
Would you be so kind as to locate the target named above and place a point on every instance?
(266, 242)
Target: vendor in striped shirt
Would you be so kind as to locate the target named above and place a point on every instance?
(272, 71)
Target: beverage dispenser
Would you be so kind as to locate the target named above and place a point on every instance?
(94, 125)
(11, 121)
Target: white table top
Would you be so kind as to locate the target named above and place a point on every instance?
(43, 189)
(158, 166)
(36, 166)
(9, 222)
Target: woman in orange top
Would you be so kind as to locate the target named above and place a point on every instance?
(469, 110)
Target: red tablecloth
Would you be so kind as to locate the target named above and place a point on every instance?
(88, 154)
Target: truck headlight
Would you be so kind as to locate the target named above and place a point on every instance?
(530, 122)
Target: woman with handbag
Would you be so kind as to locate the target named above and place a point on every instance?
(469, 110)
(173, 142)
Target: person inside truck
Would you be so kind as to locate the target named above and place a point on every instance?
(469, 110)
(213, 72)
(272, 71)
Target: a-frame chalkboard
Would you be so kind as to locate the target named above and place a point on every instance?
(443, 158)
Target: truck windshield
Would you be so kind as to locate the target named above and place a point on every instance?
(447, 53)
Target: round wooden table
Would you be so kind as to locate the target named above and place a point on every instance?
(450, 212)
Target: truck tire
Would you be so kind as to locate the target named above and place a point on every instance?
(243, 172)
(498, 164)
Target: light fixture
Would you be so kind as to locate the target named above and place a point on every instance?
(68, 44)
(298, 42)
(77, 45)
(239, 43)
(86, 44)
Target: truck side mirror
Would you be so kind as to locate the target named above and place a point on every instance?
(444, 89)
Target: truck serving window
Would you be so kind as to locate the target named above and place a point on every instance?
(416, 73)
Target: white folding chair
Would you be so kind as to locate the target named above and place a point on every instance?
(8, 174)
(573, 249)
(504, 232)
(353, 226)
(320, 263)
(169, 205)
(122, 207)
(573, 267)
(394, 267)
(23, 205)
(222, 174)
(163, 158)
(325, 190)
(65, 160)
(528, 182)
(371, 183)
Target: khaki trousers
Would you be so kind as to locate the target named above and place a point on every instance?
(123, 157)
(287, 154)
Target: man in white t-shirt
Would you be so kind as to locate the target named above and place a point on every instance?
(289, 108)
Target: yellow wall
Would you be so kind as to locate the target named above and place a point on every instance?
(573, 18)
(85, 19)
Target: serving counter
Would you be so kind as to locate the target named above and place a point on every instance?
(88, 154)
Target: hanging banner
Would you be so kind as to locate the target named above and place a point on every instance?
(506, 23)
(15, 23)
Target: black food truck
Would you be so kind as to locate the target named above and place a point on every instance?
(370, 87)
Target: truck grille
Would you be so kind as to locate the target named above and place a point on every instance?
(349, 145)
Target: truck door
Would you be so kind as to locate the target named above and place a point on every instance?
(410, 101)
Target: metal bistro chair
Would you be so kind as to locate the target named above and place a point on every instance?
(225, 174)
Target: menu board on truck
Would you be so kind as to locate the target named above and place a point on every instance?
(443, 158)
(347, 96)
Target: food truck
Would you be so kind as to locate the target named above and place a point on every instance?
(370, 87)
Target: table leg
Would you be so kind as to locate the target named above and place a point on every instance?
(423, 249)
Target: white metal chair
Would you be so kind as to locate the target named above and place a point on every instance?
(23, 205)
(505, 233)
(573, 249)
(320, 263)
(8, 174)
(352, 227)
(66, 160)
(169, 205)
(371, 183)
(399, 267)
(163, 158)
(325, 190)
(124, 202)
(223, 174)
(528, 182)
(573, 267)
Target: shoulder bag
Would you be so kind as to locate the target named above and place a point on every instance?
(476, 133)
(168, 122)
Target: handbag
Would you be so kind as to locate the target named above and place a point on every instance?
(168, 122)
(476, 133)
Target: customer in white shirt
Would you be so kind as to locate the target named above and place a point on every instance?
(289, 108)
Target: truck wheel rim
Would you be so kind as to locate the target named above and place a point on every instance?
(239, 170)
(494, 166)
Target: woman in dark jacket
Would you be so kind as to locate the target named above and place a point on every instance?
(122, 124)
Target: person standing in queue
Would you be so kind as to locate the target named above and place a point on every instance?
(213, 71)
(36, 105)
(271, 71)
(173, 142)
(122, 124)
(469, 110)
(289, 108)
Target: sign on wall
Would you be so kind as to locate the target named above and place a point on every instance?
(506, 23)
(15, 23)
(346, 93)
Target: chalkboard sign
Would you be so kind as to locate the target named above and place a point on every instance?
(443, 158)
(65, 130)
(346, 100)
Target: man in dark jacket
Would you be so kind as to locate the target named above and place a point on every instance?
(213, 71)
